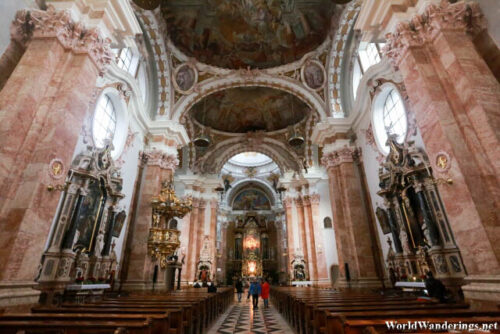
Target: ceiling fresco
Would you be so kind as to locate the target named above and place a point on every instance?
(249, 109)
(247, 33)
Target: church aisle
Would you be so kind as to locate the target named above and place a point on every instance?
(242, 318)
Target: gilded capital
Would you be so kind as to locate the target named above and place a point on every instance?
(31, 24)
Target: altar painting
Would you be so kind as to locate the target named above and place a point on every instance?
(251, 199)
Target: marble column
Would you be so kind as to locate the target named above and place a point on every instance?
(310, 240)
(42, 107)
(456, 100)
(317, 227)
(303, 240)
(350, 220)
(185, 234)
(288, 205)
(191, 246)
(200, 232)
(213, 233)
(160, 167)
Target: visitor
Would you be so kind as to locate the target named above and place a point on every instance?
(196, 284)
(435, 287)
(211, 288)
(265, 293)
(255, 291)
(239, 289)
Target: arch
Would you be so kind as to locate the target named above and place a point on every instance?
(122, 121)
(337, 52)
(260, 79)
(377, 119)
(215, 158)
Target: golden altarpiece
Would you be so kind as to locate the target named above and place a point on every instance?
(80, 246)
(252, 247)
(415, 217)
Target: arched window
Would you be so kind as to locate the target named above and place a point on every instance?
(327, 222)
(389, 116)
(394, 116)
(368, 55)
(104, 124)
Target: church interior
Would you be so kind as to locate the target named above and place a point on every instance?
(332, 159)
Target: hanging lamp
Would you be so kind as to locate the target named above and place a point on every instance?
(294, 137)
(203, 140)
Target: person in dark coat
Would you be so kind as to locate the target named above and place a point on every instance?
(435, 287)
(239, 288)
(255, 291)
(211, 287)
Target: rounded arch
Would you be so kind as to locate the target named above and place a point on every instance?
(378, 122)
(121, 113)
(260, 79)
(216, 157)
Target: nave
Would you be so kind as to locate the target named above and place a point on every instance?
(242, 318)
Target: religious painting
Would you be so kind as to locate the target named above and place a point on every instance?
(313, 75)
(89, 216)
(247, 33)
(251, 199)
(185, 76)
(119, 221)
(249, 109)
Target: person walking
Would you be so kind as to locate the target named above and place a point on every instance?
(255, 291)
(239, 289)
(265, 293)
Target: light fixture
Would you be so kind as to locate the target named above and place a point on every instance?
(220, 190)
(281, 190)
(294, 137)
(162, 241)
(203, 140)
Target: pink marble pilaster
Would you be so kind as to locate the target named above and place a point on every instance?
(456, 100)
(44, 100)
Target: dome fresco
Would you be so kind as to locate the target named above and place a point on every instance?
(247, 33)
(247, 109)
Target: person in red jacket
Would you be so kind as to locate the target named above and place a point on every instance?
(265, 293)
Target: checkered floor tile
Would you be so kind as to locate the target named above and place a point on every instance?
(242, 318)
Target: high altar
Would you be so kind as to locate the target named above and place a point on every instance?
(252, 261)
(251, 254)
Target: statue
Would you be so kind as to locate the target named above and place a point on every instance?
(404, 241)
(299, 273)
(99, 245)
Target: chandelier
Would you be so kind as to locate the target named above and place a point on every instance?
(163, 238)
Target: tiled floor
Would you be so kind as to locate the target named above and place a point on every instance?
(241, 318)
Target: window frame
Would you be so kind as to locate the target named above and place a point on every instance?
(378, 124)
(121, 117)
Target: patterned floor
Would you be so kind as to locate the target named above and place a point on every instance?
(241, 318)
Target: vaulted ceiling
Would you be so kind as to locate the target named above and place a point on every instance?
(246, 109)
(247, 33)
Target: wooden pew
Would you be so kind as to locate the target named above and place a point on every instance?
(313, 310)
(76, 327)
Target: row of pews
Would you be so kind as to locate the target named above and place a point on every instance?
(314, 310)
(188, 311)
